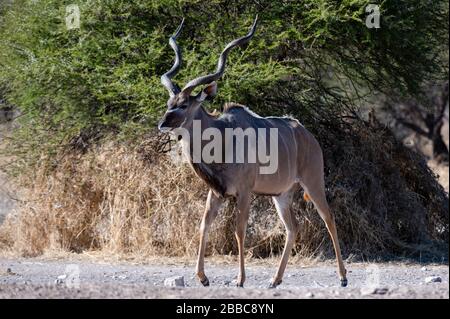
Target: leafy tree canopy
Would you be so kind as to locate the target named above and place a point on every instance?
(107, 72)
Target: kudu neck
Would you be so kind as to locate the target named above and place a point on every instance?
(206, 119)
(202, 120)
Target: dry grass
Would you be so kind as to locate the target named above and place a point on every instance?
(442, 172)
(124, 200)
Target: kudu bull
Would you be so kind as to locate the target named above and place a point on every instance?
(299, 155)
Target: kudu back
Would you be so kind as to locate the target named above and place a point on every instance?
(299, 160)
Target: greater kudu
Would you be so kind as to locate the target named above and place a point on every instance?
(298, 152)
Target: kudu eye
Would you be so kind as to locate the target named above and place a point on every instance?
(183, 106)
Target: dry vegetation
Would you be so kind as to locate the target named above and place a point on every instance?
(132, 200)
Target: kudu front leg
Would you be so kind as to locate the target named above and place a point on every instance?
(282, 204)
(213, 204)
(243, 209)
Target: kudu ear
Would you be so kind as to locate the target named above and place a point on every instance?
(208, 92)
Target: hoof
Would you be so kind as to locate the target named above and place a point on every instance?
(240, 285)
(274, 284)
(344, 282)
(205, 282)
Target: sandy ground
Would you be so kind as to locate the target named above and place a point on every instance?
(31, 278)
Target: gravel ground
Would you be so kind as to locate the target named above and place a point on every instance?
(29, 278)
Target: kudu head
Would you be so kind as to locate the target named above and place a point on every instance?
(182, 105)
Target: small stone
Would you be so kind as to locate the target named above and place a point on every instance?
(424, 268)
(309, 295)
(177, 281)
(60, 279)
(380, 291)
(433, 279)
(8, 272)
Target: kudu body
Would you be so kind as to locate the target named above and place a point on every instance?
(299, 156)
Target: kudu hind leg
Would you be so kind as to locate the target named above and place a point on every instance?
(316, 191)
(243, 207)
(283, 206)
(213, 204)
